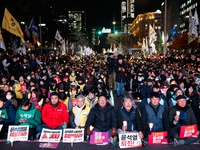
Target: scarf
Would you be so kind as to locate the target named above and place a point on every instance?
(34, 101)
(77, 117)
(102, 110)
(54, 105)
(183, 116)
(91, 100)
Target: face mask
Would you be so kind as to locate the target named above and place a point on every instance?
(72, 74)
(66, 74)
(140, 79)
(156, 79)
(57, 73)
(102, 77)
(28, 78)
(8, 97)
(5, 60)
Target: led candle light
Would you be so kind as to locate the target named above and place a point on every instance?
(125, 123)
(11, 140)
(91, 128)
(72, 140)
(178, 113)
(150, 126)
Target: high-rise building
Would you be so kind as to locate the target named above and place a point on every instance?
(127, 11)
(185, 7)
(95, 37)
(77, 20)
(140, 26)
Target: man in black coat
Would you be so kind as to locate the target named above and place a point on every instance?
(128, 117)
(120, 79)
(103, 117)
(196, 106)
(110, 64)
(15, 68)
(185, 117)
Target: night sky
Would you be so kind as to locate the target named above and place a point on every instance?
(99, 12)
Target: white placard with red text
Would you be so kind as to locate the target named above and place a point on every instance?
(78, 135)
(18, 133)
(52, 136)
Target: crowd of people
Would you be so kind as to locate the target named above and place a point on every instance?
(59, 92)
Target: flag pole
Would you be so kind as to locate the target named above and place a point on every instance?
(40, 33)
(164, 49)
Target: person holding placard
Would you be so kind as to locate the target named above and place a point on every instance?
(128, 117)
(181, 115)
(7, 115)
(54, 115)
(155, 116)
(29, 115)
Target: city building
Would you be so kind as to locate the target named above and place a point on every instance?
(185, 6)
(140, 26)
(95, 37)
(77, 20)
(127, 14)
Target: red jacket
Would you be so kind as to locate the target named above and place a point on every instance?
(54, 117)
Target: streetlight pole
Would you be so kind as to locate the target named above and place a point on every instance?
(165, 26)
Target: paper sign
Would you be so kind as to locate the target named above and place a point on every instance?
(48, 145)
(49, 94)
(129, 139)
(99, 138)
(188, 131)
(48, 135)
(18, 133)
(1, 127)
(157, 138)
(78, 135)
(197, 81)
(74, 102)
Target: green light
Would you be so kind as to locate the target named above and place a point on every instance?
(116, 32)
(99, 32)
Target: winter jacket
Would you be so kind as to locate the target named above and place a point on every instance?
(83, 116)
(54, 117)
(195, 105)
(33, 115)
(120, 75)
(94, 118)
(8, 113)
(110, 64)
(132, 117)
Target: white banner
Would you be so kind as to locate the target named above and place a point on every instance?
(78, 135)
(52, 136)
(58, 37)
(18, 133)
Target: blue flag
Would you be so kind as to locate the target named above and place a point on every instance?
(172, 34)
(34, 28)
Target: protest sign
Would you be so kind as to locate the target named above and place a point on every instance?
(188, 131)
(99, 138)
(78, 135)
(129, 139)
(157, 138)
(48, 135)
(18, 133)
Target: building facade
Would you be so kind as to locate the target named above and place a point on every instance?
(140, 26)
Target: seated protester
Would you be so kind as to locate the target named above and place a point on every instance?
(128, 112)
(186, 117)
(79, 114)
(196, 106)
(9, 96)
(82, 85)
(43, 87)
(65, 100)
(16, 89)
(156, 114)
(27, 114)
(62, 88)
(7, 116)
(74, 90)
(103, 117)
(72, 77)
(54, 115)
(91, 98)
(31, 83)
(23, 86)
(181, 84)
(36, 99)
(101, 90)
(190, 94)
(172, 101)
(171, 91)
(31, 89)
(6, 88)
(53, 86)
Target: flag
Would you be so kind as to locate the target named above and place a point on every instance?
(195, 24)
(57, 79)
(172, 34)
(120, 47)
(2, 45)
(160, 44)
(152, 35)
(58, 37)
(34, 28)
(34, 37)
(1, 38)
(11, 25)
(62, 48)
(143, 46)
(163, 37)
(190, 35)
(26, 31)
(147, 50)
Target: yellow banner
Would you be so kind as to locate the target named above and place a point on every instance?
(11, 25)
(0, 36)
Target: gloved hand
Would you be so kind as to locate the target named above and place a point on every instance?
(2, 120)
(113, 132)
(64, 125)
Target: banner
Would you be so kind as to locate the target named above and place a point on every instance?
(18, 133)
(12, 25)
(48, 135)
(129, 139)
(34, 28)
(74, 101)
(78, 135)
(29, 45)
(157, 138)
(188, 131)
(99, 138)
(59, 37)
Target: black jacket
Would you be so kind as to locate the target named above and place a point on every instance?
(94, 118)
(120, 75)
(195, 105)
(110, 64)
